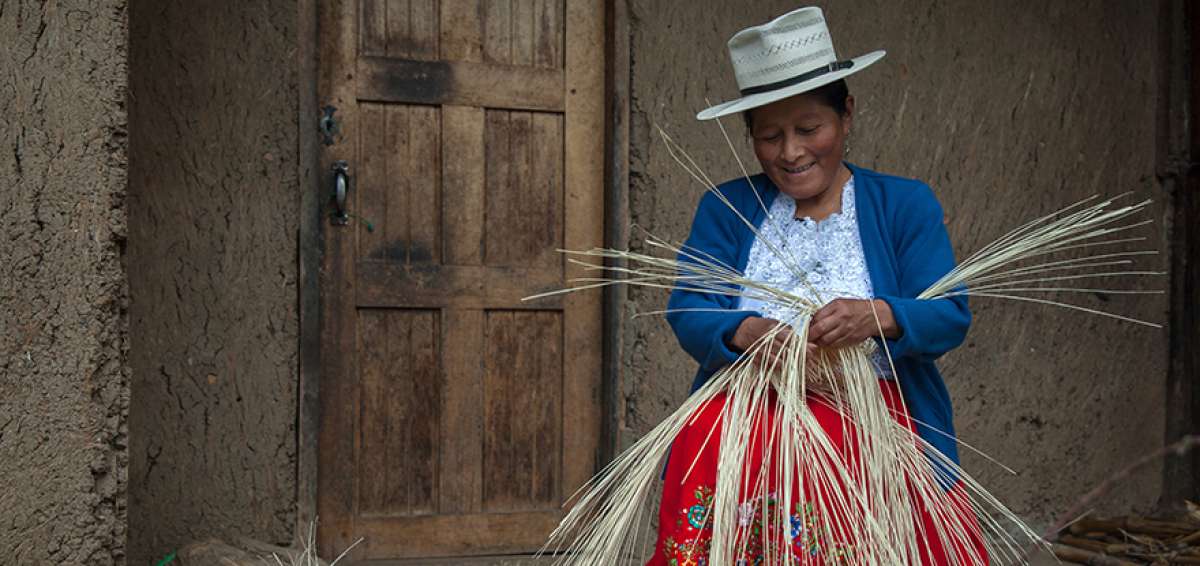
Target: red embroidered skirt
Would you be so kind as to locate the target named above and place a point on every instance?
(684, 532)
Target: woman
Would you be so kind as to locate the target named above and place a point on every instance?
(870, 242)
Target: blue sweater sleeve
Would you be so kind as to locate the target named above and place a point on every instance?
(929, 328)
(703, 322)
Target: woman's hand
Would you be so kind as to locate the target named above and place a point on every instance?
(845, 322)
(752, 329)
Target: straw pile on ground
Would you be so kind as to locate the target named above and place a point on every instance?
(1130, 541)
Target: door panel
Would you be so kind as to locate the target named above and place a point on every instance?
(399, 183)
(401, 390)
(523, 156)
(453, 423)
(522, 410)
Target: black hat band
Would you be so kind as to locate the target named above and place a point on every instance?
(834, 66)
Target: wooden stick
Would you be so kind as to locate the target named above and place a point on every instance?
(1087, 557)
(1189, 539)
(1175, 527)
(1084, 543)
(1166, 529)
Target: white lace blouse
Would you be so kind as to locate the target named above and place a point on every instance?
(829, 252)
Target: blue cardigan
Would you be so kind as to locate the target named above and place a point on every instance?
(907, 249)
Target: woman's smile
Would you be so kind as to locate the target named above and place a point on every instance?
(798, 170)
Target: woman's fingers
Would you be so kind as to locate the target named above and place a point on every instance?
(751, 330)
(817, 329)
(826, 323)
(771, 353)
(840, 323)
(783, 336)
(778, 341)
(840, 336)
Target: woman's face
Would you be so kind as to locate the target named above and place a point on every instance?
(800, 142)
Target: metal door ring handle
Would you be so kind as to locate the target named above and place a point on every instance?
(341, 187)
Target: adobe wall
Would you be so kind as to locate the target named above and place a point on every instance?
(1003, 129)
(64, 337)
(1009, 110)
(213, 271)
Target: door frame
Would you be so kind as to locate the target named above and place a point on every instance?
(313, 200)
(1178, 170)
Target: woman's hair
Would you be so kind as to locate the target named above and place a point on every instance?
(833, 95)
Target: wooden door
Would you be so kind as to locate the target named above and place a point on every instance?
(455, 418)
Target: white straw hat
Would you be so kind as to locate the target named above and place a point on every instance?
(784, 57)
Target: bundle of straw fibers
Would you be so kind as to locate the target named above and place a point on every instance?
(872, 496)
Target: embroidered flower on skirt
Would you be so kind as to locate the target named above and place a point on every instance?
(694, 527)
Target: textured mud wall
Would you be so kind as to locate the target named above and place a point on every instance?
(64, 377)
(212, 260)
(1008, 110)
